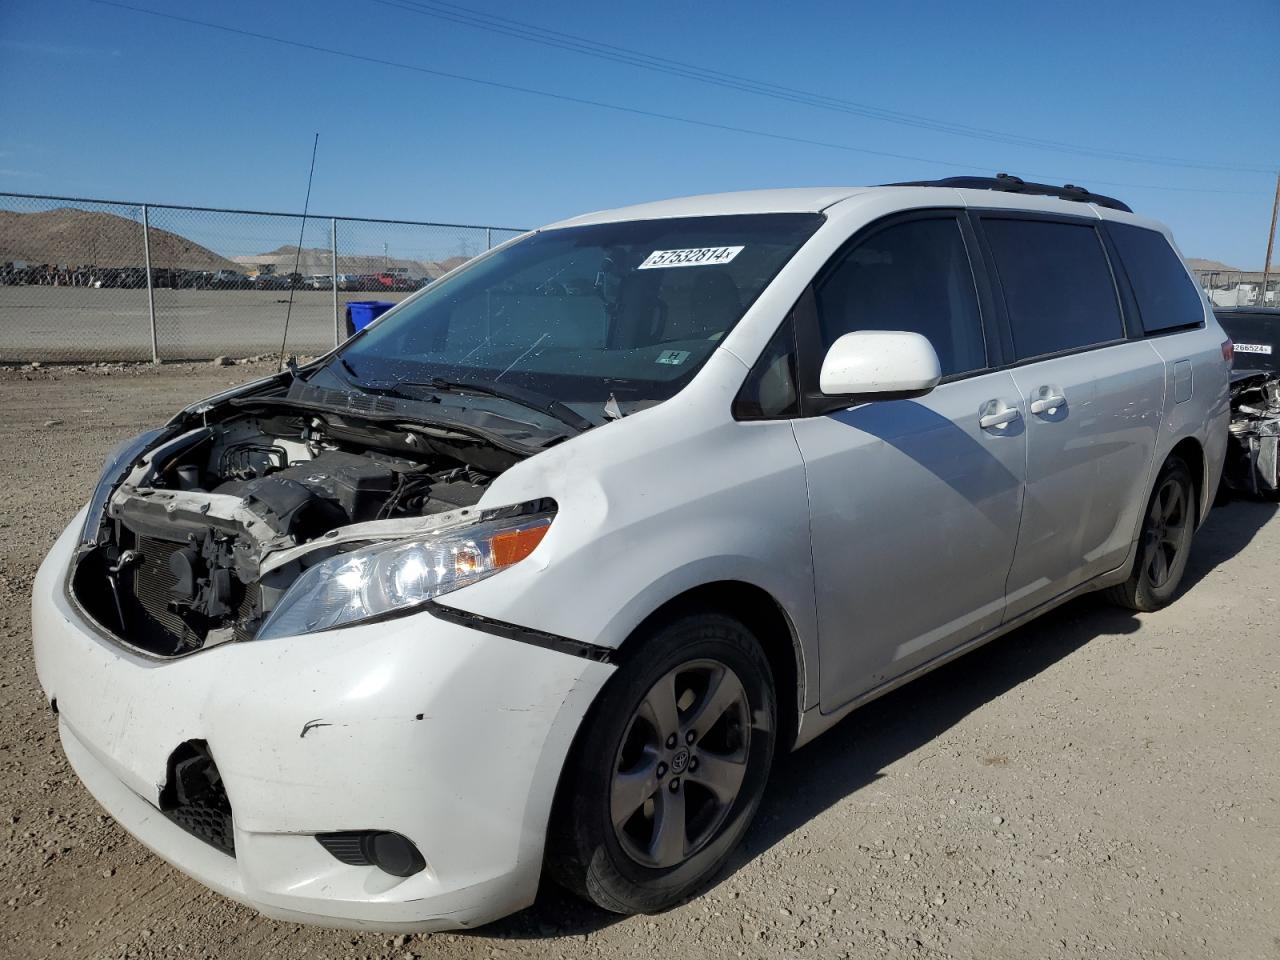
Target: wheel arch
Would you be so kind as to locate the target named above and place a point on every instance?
(1188, 449)
(759, 611)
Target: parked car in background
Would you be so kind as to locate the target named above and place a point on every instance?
(1253, 460)
(537, 573)
(279, 281)
(228, 280)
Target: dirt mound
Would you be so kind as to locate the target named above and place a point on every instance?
(1196, 263)
(73, 237)
(319, 261)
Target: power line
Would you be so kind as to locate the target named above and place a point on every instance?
(604, 105)
(522, 30)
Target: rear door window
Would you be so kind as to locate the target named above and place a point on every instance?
(1167, 299)
(1057, 285)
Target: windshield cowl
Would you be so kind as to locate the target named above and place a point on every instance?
(532, 429)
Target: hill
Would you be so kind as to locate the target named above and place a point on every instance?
(318, 261)
(1195, 263)
(71, 237)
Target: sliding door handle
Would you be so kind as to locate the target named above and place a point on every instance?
(1047, 400)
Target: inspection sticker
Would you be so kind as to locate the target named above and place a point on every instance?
(692, 257)
(1264, 348)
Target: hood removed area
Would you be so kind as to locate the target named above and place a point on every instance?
(205, 532)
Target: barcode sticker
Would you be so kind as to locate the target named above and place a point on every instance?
(692, 257)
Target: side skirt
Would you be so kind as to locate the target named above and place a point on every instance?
(814, 721)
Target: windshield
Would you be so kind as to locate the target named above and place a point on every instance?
(616, 313)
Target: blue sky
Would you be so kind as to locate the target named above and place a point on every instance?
(104, 102)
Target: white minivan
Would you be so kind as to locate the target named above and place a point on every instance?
(541, 569)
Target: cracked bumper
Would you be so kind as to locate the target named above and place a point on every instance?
(450, 736)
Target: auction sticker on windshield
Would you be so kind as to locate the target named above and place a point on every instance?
(692, 257)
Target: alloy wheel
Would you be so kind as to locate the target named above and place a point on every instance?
(681, 764)
(1167, 520)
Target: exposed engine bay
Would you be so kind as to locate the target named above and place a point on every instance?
(1253, 451)
(203, 534)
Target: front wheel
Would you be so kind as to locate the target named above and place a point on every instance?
(669, 768)
(1164, 544)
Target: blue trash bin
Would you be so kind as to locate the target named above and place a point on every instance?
(361, 313)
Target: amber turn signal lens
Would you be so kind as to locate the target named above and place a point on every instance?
(514, 545)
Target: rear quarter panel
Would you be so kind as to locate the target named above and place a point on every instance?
(1197, 400)
(1197, 406)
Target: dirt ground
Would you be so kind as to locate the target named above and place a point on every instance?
(1096, 784)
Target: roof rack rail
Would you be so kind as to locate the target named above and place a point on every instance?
(1007, 183)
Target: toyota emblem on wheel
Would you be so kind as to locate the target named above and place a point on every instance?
(680, 761)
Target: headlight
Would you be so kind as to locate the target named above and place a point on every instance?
(120, 459)
(396, 577)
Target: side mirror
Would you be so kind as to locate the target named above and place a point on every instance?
(890, 364)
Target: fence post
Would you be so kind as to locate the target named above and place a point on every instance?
(151, 294)
(488, 238)
(333, 251)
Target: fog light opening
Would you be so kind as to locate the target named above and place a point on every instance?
(388, 851)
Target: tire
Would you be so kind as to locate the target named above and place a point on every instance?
(615, 839)
(1164, 544)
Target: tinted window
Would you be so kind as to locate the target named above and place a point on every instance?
(1166, 296)
(913, 276)
(770, 389)
(1057, 285)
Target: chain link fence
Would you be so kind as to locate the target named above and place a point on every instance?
(1228, 287)
(100, 281)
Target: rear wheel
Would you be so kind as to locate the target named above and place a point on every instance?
(668, 769)
(1164, 544)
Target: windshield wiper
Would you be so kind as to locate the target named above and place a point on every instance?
(348, 367)
(529, 399)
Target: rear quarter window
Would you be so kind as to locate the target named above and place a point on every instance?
(1167, 299)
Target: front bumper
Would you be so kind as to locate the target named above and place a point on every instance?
(452, 737)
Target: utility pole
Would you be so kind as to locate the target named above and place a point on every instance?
(1271, 236)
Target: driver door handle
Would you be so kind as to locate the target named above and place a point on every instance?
(996, 414)
(1047, 400)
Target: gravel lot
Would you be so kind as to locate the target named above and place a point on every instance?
(1095, 784)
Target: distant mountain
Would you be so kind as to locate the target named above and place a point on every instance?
(1195, 263)
(318, 261)
(72, 237)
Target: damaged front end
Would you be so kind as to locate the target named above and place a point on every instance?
(197, 532)
(1253, 452)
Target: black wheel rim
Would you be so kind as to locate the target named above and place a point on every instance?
(1167, 521)
(681, 764)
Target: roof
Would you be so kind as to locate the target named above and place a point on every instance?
(1267, 313)
(794, 200)
(963, 191)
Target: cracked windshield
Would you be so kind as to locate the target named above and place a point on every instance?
(606, 318)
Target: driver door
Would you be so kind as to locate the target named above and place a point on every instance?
(914, 504)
